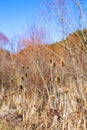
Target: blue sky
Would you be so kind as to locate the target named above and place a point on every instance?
(72, 15)
(15, 14)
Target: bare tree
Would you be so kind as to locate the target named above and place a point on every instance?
(66, 16)
(34, 36)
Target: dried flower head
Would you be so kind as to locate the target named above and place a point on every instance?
(22, 78)
(58, 80)
(12, 81)
(27, 67)
(23, 67)
(50, 61)
(21, 87)
(62, 63)
(52, 97)
(54, 65)
(26, 75)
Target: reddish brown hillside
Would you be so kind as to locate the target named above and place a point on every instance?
(41, 58)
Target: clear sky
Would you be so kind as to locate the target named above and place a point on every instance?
(15, 14)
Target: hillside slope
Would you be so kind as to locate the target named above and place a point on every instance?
(45, 86)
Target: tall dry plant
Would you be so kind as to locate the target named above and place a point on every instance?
(52, 85)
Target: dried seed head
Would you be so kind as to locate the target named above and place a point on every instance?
(54, 65)
(78, 100)
(21, 87)
(27, 67)
(23, 67)
(12, 81)
(50, 61)
(26, 75)
(22, 78)
(62, 64)
(57, 80)
(52, 97)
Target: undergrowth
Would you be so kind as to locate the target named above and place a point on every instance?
(47, 88)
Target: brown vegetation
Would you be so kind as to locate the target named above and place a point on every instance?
(44, 87)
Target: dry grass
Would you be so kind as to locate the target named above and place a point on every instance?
(47, 88)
